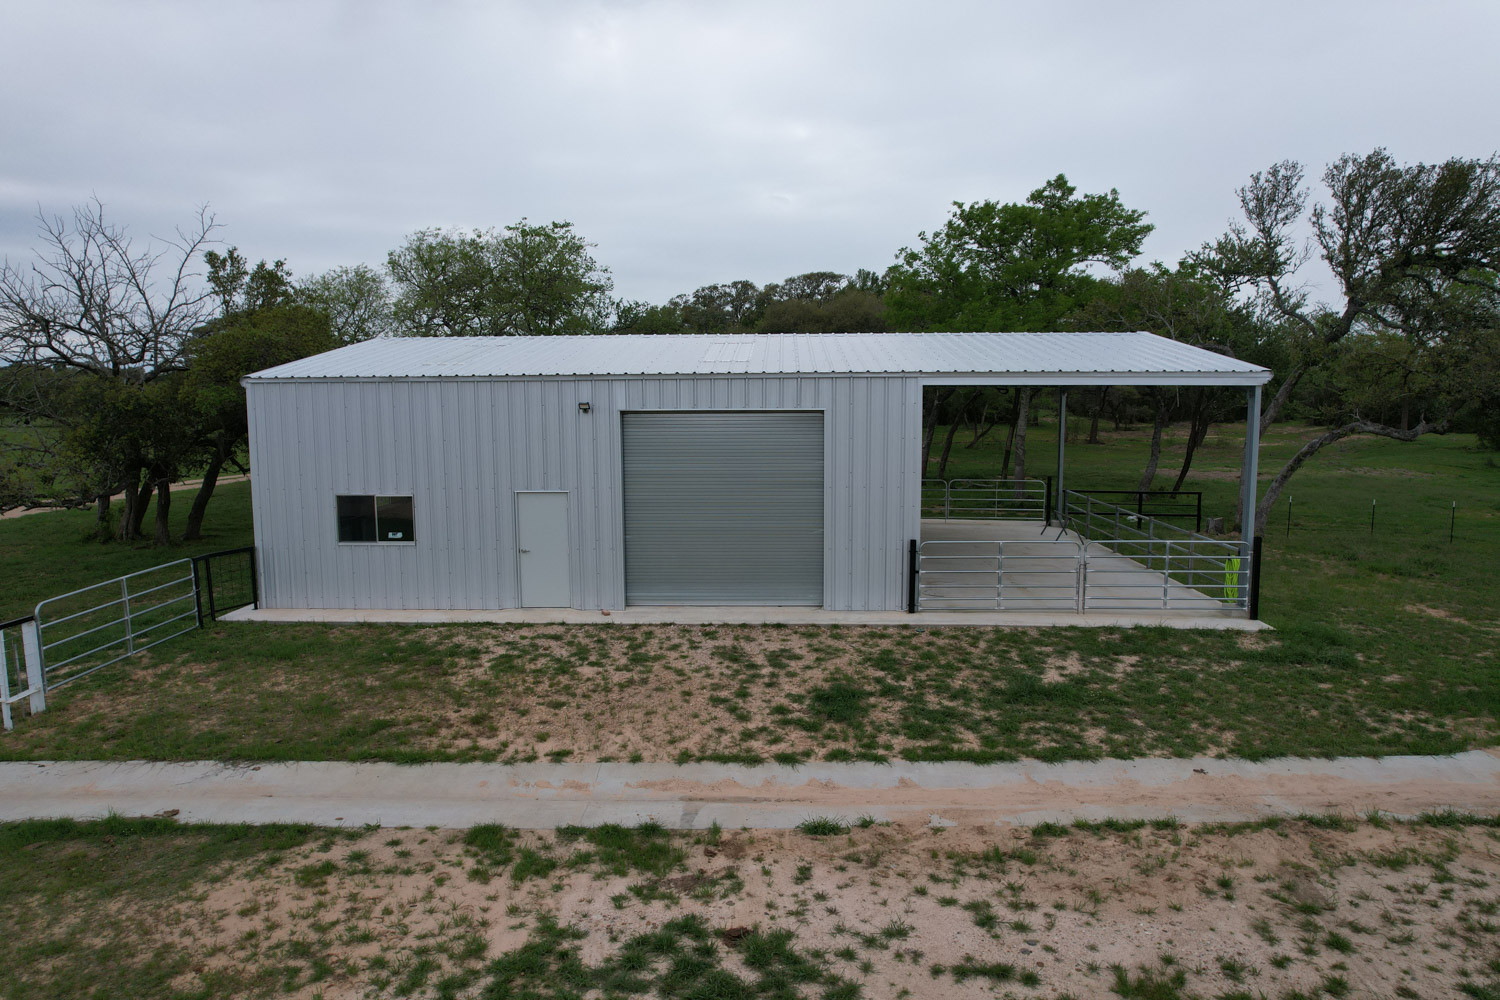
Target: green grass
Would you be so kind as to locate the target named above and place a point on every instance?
(1384, 644)
(50, 553)
(76, 899)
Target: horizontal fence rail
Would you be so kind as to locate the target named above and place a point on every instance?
(985, 499)
(1108, 557)
(1196, 571)
(74, 634)
(90, 628)
(1182, 507)
(1132, 574)
(1000, 575)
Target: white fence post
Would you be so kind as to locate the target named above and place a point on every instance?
(36, 677)
(5, 685)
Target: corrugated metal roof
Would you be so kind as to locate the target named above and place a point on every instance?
(1050, 357)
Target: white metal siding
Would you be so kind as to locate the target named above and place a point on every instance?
(463, 447)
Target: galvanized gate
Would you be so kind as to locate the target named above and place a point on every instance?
(74, 634)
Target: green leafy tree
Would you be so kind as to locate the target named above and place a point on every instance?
(357, 301)
(210, 395)
(1012, 266)
(525, 280)
(1187, 306)
(1414, 250)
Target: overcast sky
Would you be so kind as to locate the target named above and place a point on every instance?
(704, 142)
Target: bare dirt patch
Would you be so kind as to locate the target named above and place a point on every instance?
(1362, 909)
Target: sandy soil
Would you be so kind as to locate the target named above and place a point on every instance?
(1368, 910)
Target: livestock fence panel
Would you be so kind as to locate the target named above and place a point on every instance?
(74, 634)
(985, 499)
(87, 629)
(1196, 571)
(226, 581)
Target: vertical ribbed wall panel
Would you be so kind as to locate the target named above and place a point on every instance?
(463, 448)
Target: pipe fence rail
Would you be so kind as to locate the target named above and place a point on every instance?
(1043, 575)
(1105, 557)
(88, 629)
(986, 499)
(75, 634)
(1185, 506)
(1208, 572)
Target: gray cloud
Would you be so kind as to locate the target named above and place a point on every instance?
(705, 142)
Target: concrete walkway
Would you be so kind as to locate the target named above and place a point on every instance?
(692, 796)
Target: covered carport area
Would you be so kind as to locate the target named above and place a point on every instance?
(1007, 545)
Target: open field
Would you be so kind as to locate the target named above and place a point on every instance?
(49, 553)
(1383, 644)
(1291, 909)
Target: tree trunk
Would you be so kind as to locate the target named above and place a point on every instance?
(1311, 448)
(142, 501)
(200, 500)
(129, 528)
(985, 426)
(1094, 420)
(163, 509)
(1154, 458)
(1272, 409)
(1197, 431)
(942, 472)
(930, 426)
(101, 517)
(1023, 417)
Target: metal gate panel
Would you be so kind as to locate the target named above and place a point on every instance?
(723, 508)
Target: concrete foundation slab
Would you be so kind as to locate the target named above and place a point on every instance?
(1043, 595)
(693, 796)
(747, 616)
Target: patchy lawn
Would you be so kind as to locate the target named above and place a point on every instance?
(1285, 909)
(742, 693)
(1384, 643)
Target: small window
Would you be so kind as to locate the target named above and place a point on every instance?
(375, 519)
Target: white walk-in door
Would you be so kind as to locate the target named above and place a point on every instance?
(542, 549)
(723, 508)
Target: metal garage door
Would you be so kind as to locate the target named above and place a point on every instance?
(723, 508)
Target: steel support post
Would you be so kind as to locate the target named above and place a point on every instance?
(1248, 474)
(1062, 437)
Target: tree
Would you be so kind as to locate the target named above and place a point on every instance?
(211, 395)
(822, 302)
(1013, 266)
(357, 301)
(1407, 245)
(525, 280)
(114, 319)
(1186, 306)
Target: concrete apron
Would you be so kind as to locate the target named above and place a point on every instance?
(693, 796)
(751, 616)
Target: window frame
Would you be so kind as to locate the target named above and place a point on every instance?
(375, 499)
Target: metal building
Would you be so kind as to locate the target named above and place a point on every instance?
(600, 472)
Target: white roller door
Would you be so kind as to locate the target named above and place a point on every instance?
(723, 508)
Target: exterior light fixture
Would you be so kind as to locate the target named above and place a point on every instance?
(584, 407)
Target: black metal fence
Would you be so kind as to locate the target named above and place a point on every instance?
(225, 580)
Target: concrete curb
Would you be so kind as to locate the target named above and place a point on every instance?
(692, 796)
